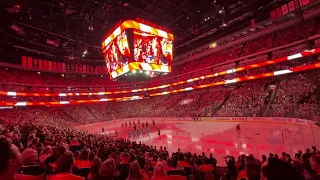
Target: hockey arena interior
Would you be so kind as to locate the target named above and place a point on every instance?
(159, 90)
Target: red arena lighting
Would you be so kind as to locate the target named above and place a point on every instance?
(136, 46)
(224, 82)
(230, 71)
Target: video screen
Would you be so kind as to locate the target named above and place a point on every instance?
(152, 49)
(118, 53)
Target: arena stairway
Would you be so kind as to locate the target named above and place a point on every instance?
(222, 104)
(265, 109)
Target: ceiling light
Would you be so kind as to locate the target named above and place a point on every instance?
(140, 71)
(134, 71)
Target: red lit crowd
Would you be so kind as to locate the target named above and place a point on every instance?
(51, 150)
(39, 142)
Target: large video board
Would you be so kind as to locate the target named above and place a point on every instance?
(136, 46)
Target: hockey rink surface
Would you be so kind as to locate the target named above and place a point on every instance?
(221, 138)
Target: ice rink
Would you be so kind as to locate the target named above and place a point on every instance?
(221, 138)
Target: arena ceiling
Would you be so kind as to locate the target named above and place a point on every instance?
(64, 28)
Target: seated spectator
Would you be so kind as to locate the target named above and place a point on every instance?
(159, 173)
(315, 165)
(276, 169)
(10, 159)
(107, 169)
(30, 167)
(65, 164)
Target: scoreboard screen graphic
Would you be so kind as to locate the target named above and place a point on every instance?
(152, 49)
(118, 53)
(136, 46)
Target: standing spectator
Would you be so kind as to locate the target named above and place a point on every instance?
(142, 165)
(94, 173)
(213, 160)
(107, 169)
(276, 169)
(252, 171)
(315, 165)
(74, 145)
(65, 164)
(283, 156)
(124, 166)
(159, 173)
(30, 167)
(264, 159)
(10, 160)
(134, 172)
(45, 154)
(175, 170)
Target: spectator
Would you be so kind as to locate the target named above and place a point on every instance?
(264, 159)
(10, 160)
(124, 166)
(45, 154)
(252, 171)
(276, 169)
(56, 154)
(159, 173)
(315, 165)
(30, 167)
(74, 146)
(94, 173)
(283, 156)
(175, 170)
(142, 165)
(134, 172)
(107, 169)
(65, 164)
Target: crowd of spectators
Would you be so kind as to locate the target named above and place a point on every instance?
(40, 142)
(43, 149)
(284, 96)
